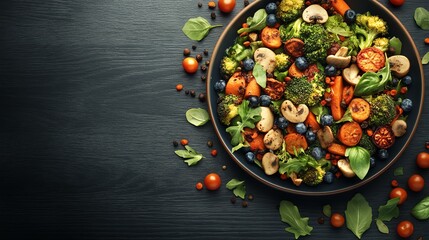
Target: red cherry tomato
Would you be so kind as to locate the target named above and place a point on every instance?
(423, 160)
(212, 181)
(416, 182)
(226, 6)
(337, 220)
(190, 64)
(405, 229)
(397, 3)
(399, 192)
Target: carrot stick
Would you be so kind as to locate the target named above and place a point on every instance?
(337, 149)
(336, 97)
(340, 6)
(311, 122)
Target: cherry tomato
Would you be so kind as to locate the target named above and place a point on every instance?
(399, 192)
(397, 3)
(190, 64)
(226, 6)
(423, 160)
(337, 220)
(405, 229)
(212, 181)
(416, 183)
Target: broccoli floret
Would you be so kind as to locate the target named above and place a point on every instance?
(366, 143)
(228, 66)
(316, 42)
(313, 176)
(383, 110)
(368, 27)
(227, 108)
(292, 30)
(282, 62)
(336, 25)
(381, 43)
(352, 43)
(301, 91)
(238, 52)
(289, 10)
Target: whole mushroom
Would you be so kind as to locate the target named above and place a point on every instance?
(315, 14)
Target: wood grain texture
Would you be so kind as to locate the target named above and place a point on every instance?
(88, 116)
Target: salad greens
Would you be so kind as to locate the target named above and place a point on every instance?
(289, 214)
(197, 116)
(421, 209)
(257, 22)
(386, 213)
(237, 187)
(359, 159)
(421, 16)
(248, 117)
(371, 83)
(190, 156)
(198, 28)
(358, 215)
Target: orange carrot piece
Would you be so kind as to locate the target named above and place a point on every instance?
(257, 143)
(337, 149)
(311, 122)
(336, 97)
(340, 6)
(252, 89)
(294, 142)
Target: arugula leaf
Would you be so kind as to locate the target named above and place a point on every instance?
(399, 171)
(239, 146)
(256, 23)
(289, 214)
(373, 82)
(327, 210)
(197, 116)
(421, 209)
(260, 75)
(190, 156)
(359, 158)
(237, 187)
(197, 28)
(389, 210)
(249, 116)
(381, 226)
(358, 215)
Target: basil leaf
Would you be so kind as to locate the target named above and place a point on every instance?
(237, 187)
(197, 116)
(398, 171)
(396, 44)
(381, 226)
(233, 183)
(197, 28)
(425, 59)
(190, 156)
(389, 210)
(327, 210)
(421, 210)
(256, 23)
(371, 83)
(359, 159)
(194, 160)
(421, 16)
(289, 214)
(358, 215)
(260, 75)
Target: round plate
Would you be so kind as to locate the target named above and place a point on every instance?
(416, 94)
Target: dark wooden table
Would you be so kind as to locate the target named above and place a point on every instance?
(89, 111)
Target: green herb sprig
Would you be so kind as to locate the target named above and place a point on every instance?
(289, 214)
(237, 187)
(190, 156)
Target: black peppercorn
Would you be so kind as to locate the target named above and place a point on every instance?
(192, 92)
(207, 62)
(233, 200)
(186, 52)
(186, 92)
(194, 47)
(206, 52)
(202, 97)
(246, 2)
(321, 220)
(200, 5)
(199, 57)
(175, 143)
(203, 78)
(203, 68)
(250, 197)
(213, 15)
(244, 204)
(224, 167)
(209, 143)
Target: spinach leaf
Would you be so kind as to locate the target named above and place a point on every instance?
(256, 23)
(358, 215)
(260, 75)
(359, 158)
(421, 16)
(190, 156)
(396, 44)
(421, 210)
(389, 210)
(371, 83)
(249, 116)
(327, 210)
(237, 187)
(197, 116)
(399, 171)
(289, 214)
(425, 59)
(381, 226)
(197, 28)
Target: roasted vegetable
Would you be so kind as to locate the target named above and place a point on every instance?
(301, 91)
(227, 108)
(368, 27)
(381, 43)
(282, 62)
(228, 66)
(316, 42)
(289, 10)
(312, 176)
(291, 30)
(383, 110)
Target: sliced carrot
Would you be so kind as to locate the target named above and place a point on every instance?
(271, 37)
(347, 94)
(294, 71)
(350, 134)
(257, 143)
(337, 149)
(311, 122)
(340, 6)
(252, 89)
(294, 142)
(236, 85)
(294, 47)
(336, 97)
(359, 109)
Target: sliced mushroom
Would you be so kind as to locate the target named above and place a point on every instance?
(345, 168)
(267, 120)
(273, 140)
(351, 74)
(399, 65)
(294, 114)
(270, 163)
(297, 181)
(399, 128)
(340, 59)
(266, 58)
(253, 37)
(325, 136)
(315, 14)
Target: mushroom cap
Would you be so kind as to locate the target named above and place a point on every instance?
(315, 14)
(399, 65)
(351, 74)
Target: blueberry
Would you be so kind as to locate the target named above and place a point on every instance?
(330, 70)
(407, 80)
(271, 8)
(281, 122)
(372, 161)
(219, 86)
(395, 81)
(265, 100)
(301, 128)
(310, 135)
(350, 16)
(383, 154)
(253, 101)
(316, 152)
(329, 177)
(248, 64)
(271, 20)
(301, 63)
(334, 169)
(326, 120)
(407, 105)
(250, 157)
